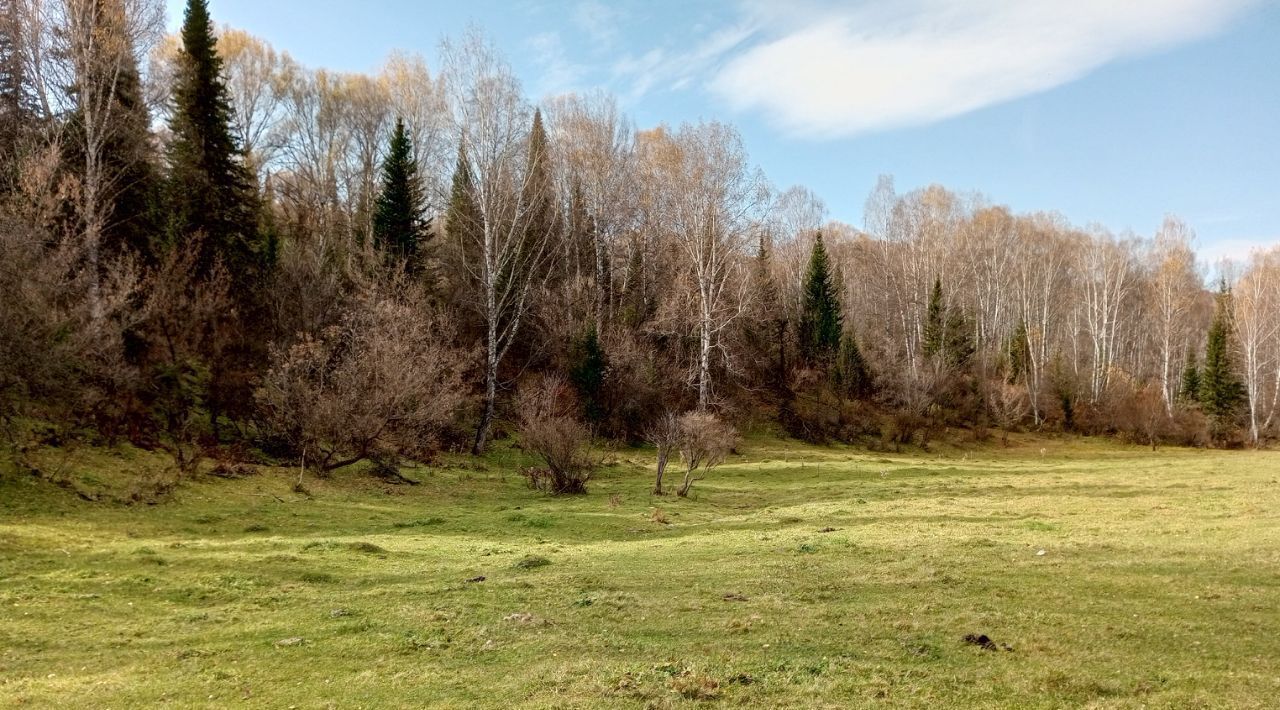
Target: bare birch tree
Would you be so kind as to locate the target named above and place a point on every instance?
(712, 199)
(1256, 311)
(504, 243)
(1174, 286)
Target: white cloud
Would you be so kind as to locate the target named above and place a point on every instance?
(1237, 250)
(662, 68)
(826, 71)
(599, 21)
(558, 73)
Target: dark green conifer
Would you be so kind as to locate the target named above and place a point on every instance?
(1189, 391)
(399, 229)
(463, 221)
(947, 335)
(1019, 352)
(210, 192)
(820, 319)
(587, 374)
(1221, 391)
(934, 322)
(853, 378)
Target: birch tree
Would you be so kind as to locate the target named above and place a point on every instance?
(1107, 280)
(713, 198)
(502, 237)
(95, 41)
(1174, 286)
(1256, 310)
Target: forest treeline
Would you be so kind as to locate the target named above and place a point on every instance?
(207, 247)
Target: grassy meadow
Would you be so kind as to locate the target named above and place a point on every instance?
(1103, 575)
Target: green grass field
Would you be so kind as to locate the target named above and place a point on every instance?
(796, 577)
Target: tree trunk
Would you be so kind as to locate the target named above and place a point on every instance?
(662, 468)
(685, 485)
(704, 366)
(486, 417)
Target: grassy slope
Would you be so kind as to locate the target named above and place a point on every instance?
(1159, 586)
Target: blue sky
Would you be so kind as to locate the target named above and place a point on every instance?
(1109, 111)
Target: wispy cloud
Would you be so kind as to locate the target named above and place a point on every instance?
(674, 69)
(824, 69)
(558, 74)
(600, 22)
(1237, 250)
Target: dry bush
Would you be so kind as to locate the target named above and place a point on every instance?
(63, 316)
(309, 287)
(1190, 427)
(548, 428)
(383, 383)
(664, 435)
(185, 321)
(705, 440)
(1009, 406)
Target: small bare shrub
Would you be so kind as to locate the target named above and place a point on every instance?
(664, 434)
(705, 440)
(548, 429)
(1009, 407)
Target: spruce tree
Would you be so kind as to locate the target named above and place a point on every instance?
(587, 374)
(463, 221)
(17, 103)
(935, 325)
(853, 378)
(1189, 391)
(1019, 352)
(637, 305)
(543, 225)
(1220, 388)
(210, 191)
(399, 229)
(820, 319)
(770, 330)
(958, 343)
(946, 334)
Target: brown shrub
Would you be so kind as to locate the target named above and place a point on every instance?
(382, 383)
(705, 440)
(548, 429)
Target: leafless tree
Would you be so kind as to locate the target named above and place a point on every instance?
(549, 429)
(1174, 286)
(664, 435)
(92, 51)
(705, 440)
(504, 251)
(383, 383)
(712, 199)
(1256, 310)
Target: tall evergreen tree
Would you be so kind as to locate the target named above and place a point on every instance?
(820, 319)
(1189, 390)
(542, 228)
(959, 338)
(1019, 352)
(399, 228)
(463, 220)
(771, 317)
(210, 192)
(853, 377)
(17, 105)
(1221, 391)
(935, 322)
(587, 373)
(946, 334)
